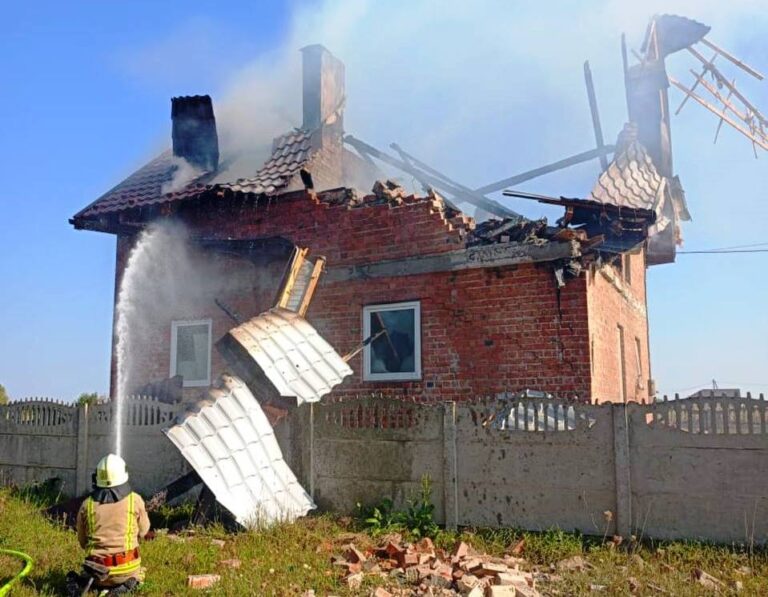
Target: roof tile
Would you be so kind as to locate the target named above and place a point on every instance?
(631, 180)
(147, 185)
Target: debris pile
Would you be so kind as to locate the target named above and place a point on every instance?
(422, 569)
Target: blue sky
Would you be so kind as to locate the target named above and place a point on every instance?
(481, 90)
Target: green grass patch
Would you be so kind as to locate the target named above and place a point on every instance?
(287, 559)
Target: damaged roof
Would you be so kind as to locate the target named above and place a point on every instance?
(149, 185)
(631, 180)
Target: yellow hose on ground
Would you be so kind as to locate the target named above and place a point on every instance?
(28, 561)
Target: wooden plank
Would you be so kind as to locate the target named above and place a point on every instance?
(698, 80)
(719, 113)
(733, 59)
(290, 280)
(494, 255)
(721, 79)
(313, 280)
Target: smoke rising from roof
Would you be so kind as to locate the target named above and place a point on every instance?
(438, 77)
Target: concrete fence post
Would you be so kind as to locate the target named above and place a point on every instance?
(81, 465)
(450, 467)
(622, 465)
(312, 450)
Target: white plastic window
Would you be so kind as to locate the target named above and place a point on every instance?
(394, 355)
(191, 352)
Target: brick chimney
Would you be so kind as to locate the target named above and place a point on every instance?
(194, 131)
(323, 84)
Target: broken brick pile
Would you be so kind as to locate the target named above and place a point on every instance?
(422, 569)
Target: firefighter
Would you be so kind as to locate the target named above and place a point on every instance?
(110, 523)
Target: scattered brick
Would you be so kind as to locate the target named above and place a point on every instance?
(354, 581)
(202, 581)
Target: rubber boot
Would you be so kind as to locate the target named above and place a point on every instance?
(124, 589)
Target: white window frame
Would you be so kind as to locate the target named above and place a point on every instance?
(175, 325)
(412, 376)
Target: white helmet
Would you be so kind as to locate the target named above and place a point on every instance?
(110, 472)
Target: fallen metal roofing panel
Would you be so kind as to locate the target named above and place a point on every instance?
(289, 351)
(232, 446)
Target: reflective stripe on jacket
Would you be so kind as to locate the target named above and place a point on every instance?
(108, 529)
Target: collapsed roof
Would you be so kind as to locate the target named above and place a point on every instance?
(315, 156)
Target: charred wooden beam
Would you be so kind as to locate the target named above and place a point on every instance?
(174, 489)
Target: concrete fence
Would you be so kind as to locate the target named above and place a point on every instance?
(41, 438)
(695, 469)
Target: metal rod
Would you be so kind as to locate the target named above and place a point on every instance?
(719, 113)
(346, 358)
(536, 172)
(736, 61)
(595, 114)
(228, 310)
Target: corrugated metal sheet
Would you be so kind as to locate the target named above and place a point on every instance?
(233, 448)
(290, 352)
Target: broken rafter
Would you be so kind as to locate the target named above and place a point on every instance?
(720, 122)
(723, 81)
(745, 67)
(699, 77)
(310, 291)
(460, 192)
(714, 91)
(595, 114)
(720, 113)
(298, 260)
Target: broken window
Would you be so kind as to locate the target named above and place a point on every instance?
(191, 352)
(395, 352)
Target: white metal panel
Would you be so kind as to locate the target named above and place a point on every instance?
(233, 448)
(293, 356)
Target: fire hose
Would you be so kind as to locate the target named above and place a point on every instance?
(28, 561)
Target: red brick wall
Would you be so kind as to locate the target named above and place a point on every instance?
(484, 331)
(615, 300)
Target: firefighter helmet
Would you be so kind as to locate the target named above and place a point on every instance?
(110, 472)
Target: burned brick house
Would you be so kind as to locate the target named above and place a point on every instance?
(470, 308)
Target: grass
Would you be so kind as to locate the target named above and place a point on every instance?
(290, 558)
